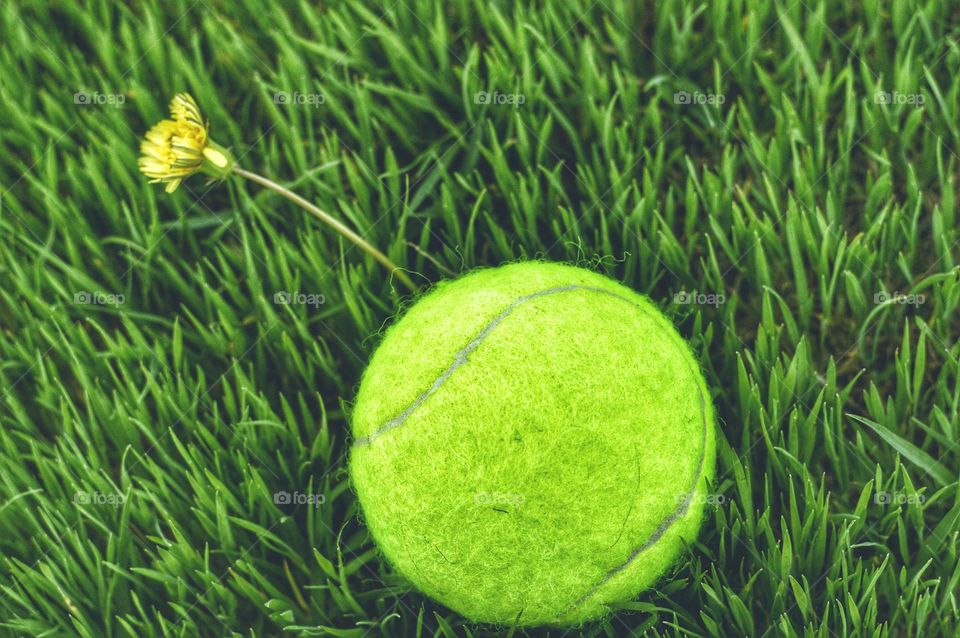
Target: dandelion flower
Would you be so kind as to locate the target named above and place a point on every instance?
(177, 148)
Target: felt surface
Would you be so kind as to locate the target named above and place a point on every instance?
(531, 442)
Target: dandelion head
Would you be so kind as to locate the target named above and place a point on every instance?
(176, 148)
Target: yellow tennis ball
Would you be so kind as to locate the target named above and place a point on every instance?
(532, 443)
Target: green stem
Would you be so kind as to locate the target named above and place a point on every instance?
(325, 217)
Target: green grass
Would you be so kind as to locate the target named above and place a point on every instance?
(186, 398)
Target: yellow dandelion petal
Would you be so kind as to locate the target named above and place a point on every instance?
(184, 108)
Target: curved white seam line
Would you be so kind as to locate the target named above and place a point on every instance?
(459, 359)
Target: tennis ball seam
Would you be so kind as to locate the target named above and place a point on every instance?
(665, 524)
(461, 358)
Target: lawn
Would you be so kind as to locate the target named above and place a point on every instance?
(779, 177)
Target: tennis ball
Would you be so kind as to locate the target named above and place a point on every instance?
(532, 443)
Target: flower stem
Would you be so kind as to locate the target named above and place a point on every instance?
(325, 217)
